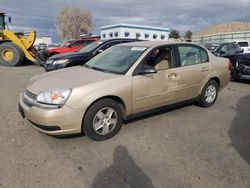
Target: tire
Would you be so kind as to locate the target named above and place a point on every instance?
(97, 125)
(10, 54)
(204, 100)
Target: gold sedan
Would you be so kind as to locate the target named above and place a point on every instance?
(122, 82)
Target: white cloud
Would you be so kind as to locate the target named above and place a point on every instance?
(180, 14)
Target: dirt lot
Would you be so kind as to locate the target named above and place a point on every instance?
(186, 147)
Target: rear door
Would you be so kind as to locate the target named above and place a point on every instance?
(191, 72)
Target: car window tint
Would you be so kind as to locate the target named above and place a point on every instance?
(224, 48)
(190, 55)
(117, 59)
(204, 56)
(108, 45)
(81, 43)
(160, 58)
(87, 42)
(243, 44)
(236, 46)
(230, 47)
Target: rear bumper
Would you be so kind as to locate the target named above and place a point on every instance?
(60, 121)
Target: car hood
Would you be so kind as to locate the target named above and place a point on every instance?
(69, 78)
(68, 55)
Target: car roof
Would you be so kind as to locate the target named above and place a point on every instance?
(155, 43)
(119, 39)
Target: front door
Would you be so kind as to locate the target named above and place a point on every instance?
(155, 90)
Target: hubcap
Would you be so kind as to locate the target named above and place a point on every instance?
(210, 93)
(7, 54)
(105, 121)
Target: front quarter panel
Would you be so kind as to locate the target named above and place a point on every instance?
(120, 87)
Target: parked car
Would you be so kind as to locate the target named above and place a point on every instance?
(211, 46)
(228, 50)
(123, 81)
(72, 47)
(83, 55)
(239, 61)
(241, 67)
(245, 45)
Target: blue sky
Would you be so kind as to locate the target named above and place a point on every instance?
(182, 15)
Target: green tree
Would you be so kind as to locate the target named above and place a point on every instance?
(188, 35)
(174, 34)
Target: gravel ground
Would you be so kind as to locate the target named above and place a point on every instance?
(185, 147)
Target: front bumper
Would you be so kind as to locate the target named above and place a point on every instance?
(59, 121)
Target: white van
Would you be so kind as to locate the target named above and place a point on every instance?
(245, 45)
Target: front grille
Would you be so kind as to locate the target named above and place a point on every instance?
(29, 94)
(29, 98)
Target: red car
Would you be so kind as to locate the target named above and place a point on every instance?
(72, 47)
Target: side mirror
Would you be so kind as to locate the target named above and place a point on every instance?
(69, 46)
(147, 69)
(242, 50)
(98, 52)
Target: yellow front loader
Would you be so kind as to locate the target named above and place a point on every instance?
(15, 48)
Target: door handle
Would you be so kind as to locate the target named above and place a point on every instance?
(173, 76)
(204, 69)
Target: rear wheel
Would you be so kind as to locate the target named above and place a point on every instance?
(10, 54)
(103, 120)
(209, 94)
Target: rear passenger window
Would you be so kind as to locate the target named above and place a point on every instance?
(230, 47)
(204, 56)
(191, 55)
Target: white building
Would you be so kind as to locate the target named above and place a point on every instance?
(134, 32)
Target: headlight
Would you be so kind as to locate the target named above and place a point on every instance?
(49, 61)
(55, 97)
(59, 62)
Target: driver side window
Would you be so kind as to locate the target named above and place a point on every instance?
(161, 59)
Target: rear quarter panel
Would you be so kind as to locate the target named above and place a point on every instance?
(219, 69)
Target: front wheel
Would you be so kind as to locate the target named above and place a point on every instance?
(103, 120)
(209, 94)
(10, 54)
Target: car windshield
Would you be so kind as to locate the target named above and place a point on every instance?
(91, 46)
(117, 59)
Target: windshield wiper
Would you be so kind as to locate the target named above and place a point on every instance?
(87, 66)
(99, 69)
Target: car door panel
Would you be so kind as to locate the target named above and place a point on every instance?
(153, 90)
(194, 67)
(190, 80)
